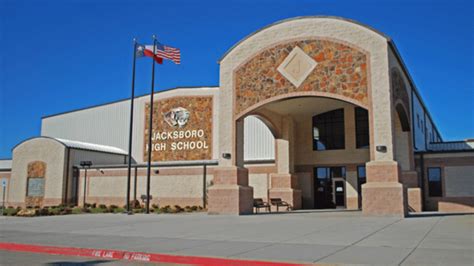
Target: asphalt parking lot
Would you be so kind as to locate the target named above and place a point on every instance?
(340, 237)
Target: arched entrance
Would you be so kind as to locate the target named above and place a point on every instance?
(313, 56)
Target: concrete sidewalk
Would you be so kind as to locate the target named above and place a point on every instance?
(313, 236)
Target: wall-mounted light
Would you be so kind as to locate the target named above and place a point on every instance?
(226, 156)
(86, 164)
(381, 148)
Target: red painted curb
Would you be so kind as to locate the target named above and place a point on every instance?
(135, 256)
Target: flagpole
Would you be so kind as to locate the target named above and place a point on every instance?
(131, 126)
(150, 128)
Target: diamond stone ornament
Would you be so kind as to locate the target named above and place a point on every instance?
(297, 66)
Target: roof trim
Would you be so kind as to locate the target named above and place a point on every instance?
(126, 99)
(64, 143)
(299, 18)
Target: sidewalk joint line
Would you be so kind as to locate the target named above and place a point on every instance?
(363, 238)
(419, 243)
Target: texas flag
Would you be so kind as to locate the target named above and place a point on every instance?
(147, 50)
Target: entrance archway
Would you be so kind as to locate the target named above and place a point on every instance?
(309, 56)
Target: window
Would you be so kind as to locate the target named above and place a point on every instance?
(322, 173)
(418, 120)
(361, 172)
(362, 127)
(434, 182)
(328, 131)
(330, 172)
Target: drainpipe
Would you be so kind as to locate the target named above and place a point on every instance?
(422, 184)
(67, 175)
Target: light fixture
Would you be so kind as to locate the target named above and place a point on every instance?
(381, 148)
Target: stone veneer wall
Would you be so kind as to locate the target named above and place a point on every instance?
(200, 109)
(341, 70)
(36, 169)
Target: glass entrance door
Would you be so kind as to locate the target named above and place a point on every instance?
(326, 194)
(339, 193)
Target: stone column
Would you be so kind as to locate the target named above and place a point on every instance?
(284, 184)
(383, 194)
(230, 193)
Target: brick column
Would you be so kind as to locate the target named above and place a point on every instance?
(230, 193)
(383, 194)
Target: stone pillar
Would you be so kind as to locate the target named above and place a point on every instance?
(284, 184)
(230, 193)
(383, 194)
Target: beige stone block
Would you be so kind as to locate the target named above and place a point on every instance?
(384, 199)
(414, 200)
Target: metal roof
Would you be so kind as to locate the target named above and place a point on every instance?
(466, 145)
(79, 145)
(73, 144)
(5, 164)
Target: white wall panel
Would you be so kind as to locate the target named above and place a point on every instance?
(259, 143)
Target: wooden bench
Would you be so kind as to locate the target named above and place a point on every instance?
(259, 203)
(280, 203)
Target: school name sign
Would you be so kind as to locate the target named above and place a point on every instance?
(182, 129)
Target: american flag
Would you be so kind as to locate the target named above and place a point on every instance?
(167, 52)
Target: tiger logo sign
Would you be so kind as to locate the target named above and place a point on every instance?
(177, 117)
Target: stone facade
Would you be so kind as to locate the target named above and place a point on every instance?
(35, 170)
(200, 118)
(340, 69)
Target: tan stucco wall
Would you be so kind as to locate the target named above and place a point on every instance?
(306, 184)
(183, 186)
(402, 145)
(259, 182)
(46, 150)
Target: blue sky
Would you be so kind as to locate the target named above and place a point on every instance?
(57, 56)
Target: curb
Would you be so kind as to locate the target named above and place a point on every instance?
(135, 256)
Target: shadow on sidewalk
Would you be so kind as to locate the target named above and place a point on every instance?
(308, 211)
(436, 214)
